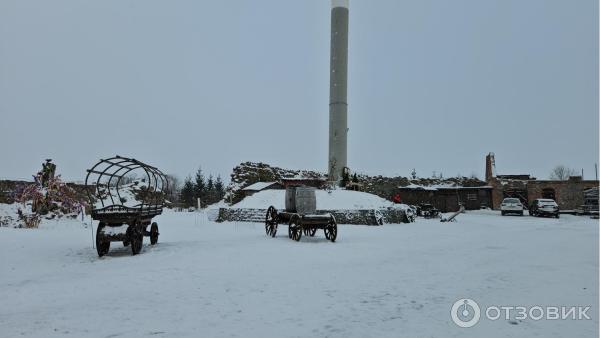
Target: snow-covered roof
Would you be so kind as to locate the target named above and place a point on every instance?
(301, 178)
(258, 186)
(441, 187)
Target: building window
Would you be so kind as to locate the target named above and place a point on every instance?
(549, 193)
(472, 197)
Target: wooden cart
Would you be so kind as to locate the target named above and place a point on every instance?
(124, 206)
(300, 216)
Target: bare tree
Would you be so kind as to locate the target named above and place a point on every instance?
(562, 173)
(173, 188)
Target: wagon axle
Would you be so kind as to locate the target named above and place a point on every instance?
(133, 235)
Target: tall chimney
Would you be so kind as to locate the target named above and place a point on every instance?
(490, 167)
(338, 80)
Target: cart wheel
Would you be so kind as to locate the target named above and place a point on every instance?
(154, 233)
(310, 232)
(331, 230)
(271, 221)
(102, 245)
(136, 244)
(136, 238)
(295, 228)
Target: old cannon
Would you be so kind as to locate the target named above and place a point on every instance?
(125, 194)
(300, 215)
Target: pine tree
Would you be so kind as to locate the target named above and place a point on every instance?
(355, 178)
(188, 192)
(219, 188)
(345, 178)
(210, 190)
(200, 187)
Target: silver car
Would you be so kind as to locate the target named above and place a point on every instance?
(511, 206)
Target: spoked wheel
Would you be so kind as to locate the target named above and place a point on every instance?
(295, 228)
(102, 245)
(154, 233)
(136, 238)
(331, 229)
(310, 232)
(271, 221)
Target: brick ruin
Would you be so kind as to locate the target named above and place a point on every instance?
(568, 193)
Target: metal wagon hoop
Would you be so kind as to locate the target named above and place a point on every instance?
(106, 186)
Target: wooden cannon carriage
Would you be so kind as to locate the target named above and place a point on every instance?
(300, 215)
(125, 194)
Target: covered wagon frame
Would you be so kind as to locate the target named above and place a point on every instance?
(105, 183)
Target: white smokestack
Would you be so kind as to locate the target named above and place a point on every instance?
(338, 82)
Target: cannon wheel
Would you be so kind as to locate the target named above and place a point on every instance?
(136, 238)
(331, 229)
(154, 233)
(271, 221)
(295, 228)
(102, 246)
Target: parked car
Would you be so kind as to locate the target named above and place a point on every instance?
(544, 207)
(511, 206)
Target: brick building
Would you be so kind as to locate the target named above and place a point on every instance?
(447, 198)
(569, 194)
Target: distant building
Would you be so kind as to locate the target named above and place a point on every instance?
(446, 198)
(569, 194)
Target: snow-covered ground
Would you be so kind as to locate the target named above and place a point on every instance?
(205, 279)
(326, 200)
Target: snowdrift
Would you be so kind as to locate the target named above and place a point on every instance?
(326, 200)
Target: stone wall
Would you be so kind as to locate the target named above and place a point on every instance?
(249, 173)
(9, 187)
(568, 194)
(358, 217)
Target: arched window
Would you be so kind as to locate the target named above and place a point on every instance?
(549, 193)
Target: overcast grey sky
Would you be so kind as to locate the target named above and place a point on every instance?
(433, 85)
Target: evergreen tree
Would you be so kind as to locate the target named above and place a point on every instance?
(355, 178)
(345, 177)
(219, 188)
(200, 187)
(210, 190)
(188, 193)
(210, 184)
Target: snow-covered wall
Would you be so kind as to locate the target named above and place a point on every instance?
(356, 216)
(249, 172)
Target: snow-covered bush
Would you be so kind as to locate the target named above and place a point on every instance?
(47, 197)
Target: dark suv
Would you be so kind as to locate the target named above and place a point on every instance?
(544, 207)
